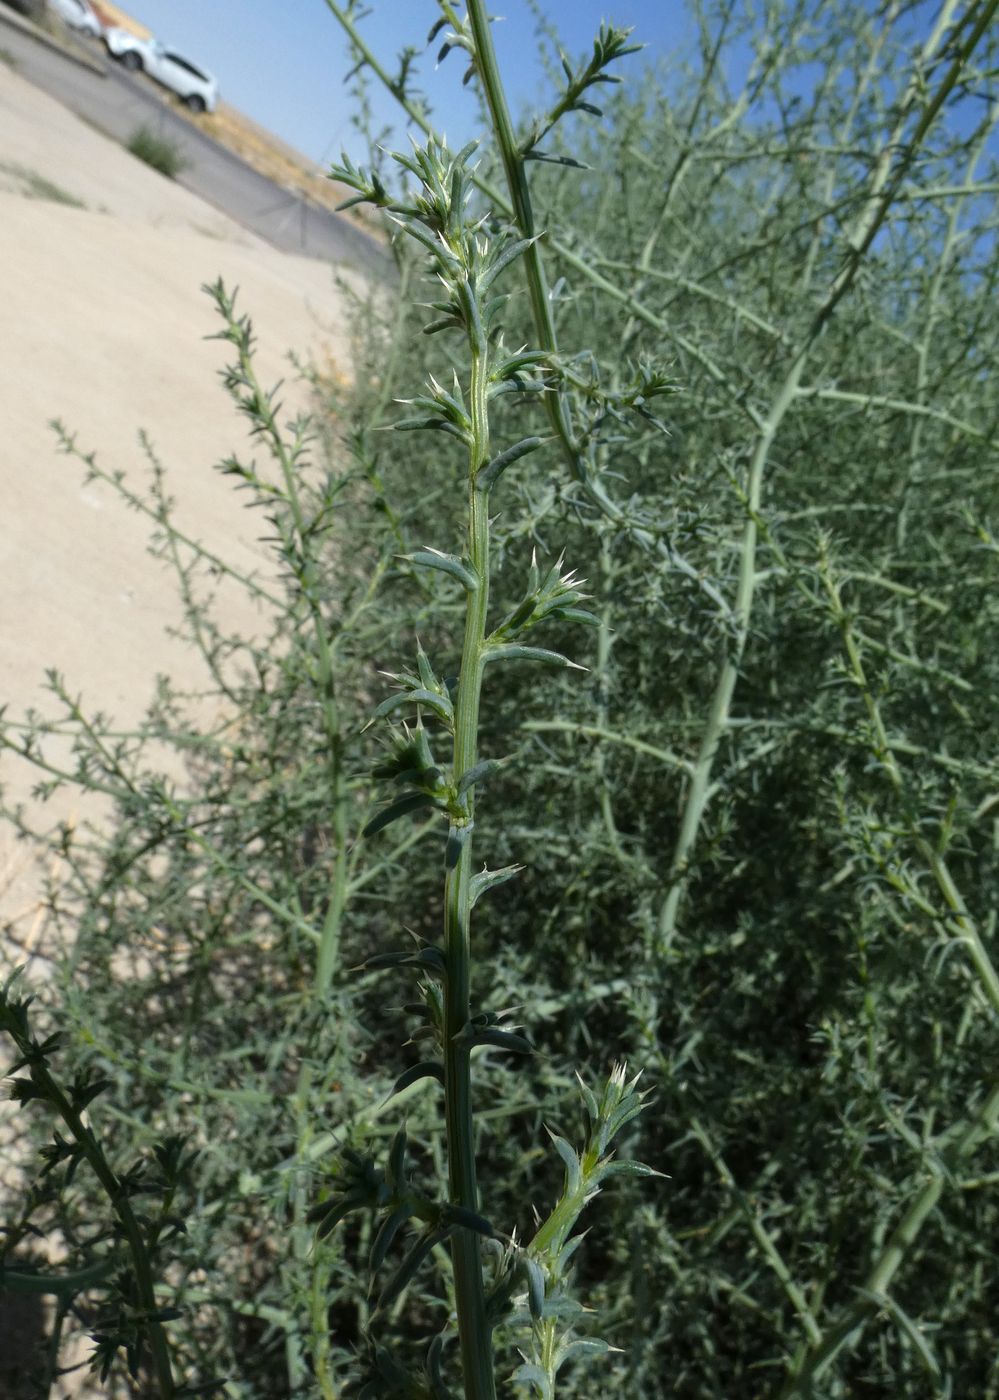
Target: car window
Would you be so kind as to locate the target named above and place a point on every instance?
(188, 67)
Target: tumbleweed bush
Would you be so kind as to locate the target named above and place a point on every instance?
(759, 834)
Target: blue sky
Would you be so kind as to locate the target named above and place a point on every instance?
(283, 62)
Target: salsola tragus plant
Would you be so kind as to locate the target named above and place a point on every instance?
(759, 832)
(810, 251)
(444, 711)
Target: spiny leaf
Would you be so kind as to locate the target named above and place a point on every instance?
(577, 615)
(487, 879)
(510, 652)
(83, 1094)
(573, 1172)
(589, 1099)
(531, 1374)
(427, 676)
(446, 563)
(626, 1167)
(515, 365)
(328, 1215)
(430, 241)
(491, 1035)
(415, 425)
(427, 958)
(407, 1270)
(547, 159)
(387, 1232)
(440, 705)
(412, 802)
(435, 1375)
(396, 1174)
(505, 258)
(444, 323)
(488, 475)
(467, 1220)
(426, 1069)
(21, 1091)
(535, 1287)
(471, 776)
(518, 385)
(580, 1347)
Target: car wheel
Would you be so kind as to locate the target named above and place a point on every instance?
(131, 60)
(195, 102)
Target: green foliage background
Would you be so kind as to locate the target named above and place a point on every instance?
(819, 1041)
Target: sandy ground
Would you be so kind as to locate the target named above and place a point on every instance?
(103, 328)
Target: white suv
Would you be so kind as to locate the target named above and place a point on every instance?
(78, 15)
(197, 87)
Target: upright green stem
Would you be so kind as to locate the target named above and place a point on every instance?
(473, 1326)
(555, 404)
(516, 177)
(716, 724)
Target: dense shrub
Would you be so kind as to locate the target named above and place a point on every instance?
(161, 154)
(759, 836)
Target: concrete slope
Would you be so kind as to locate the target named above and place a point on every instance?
(103, 326)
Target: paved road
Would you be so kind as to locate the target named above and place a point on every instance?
(117, 102)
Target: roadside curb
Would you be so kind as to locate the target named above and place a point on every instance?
(15, 21)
